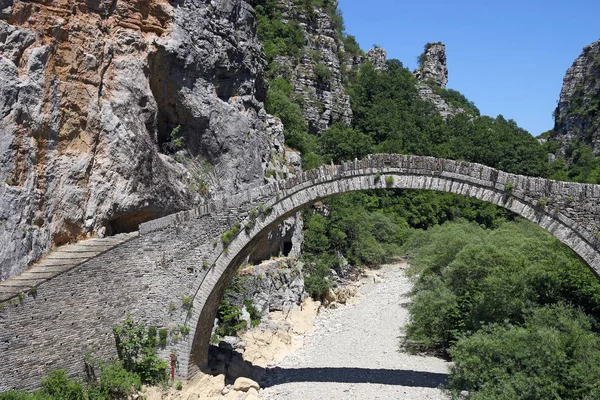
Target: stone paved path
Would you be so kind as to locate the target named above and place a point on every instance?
(58, 261)
(354, 352)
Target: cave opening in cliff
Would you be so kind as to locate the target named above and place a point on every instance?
(129, 222)
(286, 248)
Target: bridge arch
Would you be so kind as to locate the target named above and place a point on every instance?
(550, 204)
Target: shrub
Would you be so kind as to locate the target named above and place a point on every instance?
(255, 315)
(554, 355)
(229, 322)
(475, 277)
(57, 385)
(317, 273)
(115, 382)
(163, 333)
(136, 351)
(322, 73)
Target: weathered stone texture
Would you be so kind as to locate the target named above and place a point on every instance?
(434, 72)
(273, 285)
(378, 57)
(577, 115)
(433, 65)
(90, 95)
(324, 98)
(182, 255)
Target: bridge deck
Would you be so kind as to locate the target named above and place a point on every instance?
(58, 261)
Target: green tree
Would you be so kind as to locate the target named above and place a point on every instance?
(553, 355)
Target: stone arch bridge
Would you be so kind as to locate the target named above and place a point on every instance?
(173, 272)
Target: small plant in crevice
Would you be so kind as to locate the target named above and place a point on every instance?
(187, 302)
(508, 187)
(377, 177)
(264, 210)
(542, 202)
(177, 141)
(228, 236)
(389, 180)
(322, 73)
(184, 329)
(249, 226)
(163, 333)
(255, 315)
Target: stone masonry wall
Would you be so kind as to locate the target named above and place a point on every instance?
(182, 255)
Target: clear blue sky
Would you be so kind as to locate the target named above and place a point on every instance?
(509, 57)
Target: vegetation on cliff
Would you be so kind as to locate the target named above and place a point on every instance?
(488, 285)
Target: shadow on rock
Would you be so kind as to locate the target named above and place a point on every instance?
(225, 360)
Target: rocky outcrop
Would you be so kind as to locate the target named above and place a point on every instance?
(273, 285)
(433, 73)
(114, 113)
(442, 106)
(378, 57)
(317, 76)
(433, 65)
(577, 116)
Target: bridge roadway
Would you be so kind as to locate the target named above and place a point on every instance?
(67, 304)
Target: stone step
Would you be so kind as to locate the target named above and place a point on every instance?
(59, 261)
(32, 277)
(56, 266)
(72, 254)
(87, 249)
(42, 273)
(66, 256)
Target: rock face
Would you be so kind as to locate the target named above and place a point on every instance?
(114, 113)
(577, 115)
(433, 65)
(433, 72)
(378, 57)
(317, 77)
(274, 285)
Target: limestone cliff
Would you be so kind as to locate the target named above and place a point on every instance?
(577, 116)
(317, 76)
(113, 113)
(378, 57)
(432, 73)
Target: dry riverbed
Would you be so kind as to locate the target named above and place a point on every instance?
(350, 351)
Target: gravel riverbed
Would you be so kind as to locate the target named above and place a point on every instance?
(354, 351)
